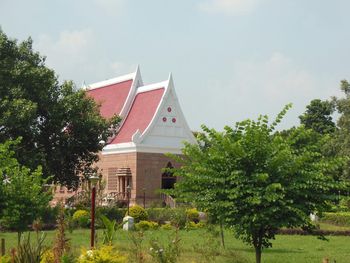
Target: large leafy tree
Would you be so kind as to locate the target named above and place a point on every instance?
(340, 144)
(318, 116)
(60, 126)
(23, 197)
(256, 180)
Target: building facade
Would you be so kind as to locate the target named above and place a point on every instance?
(132, 163)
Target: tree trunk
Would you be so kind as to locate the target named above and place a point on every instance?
(222, 235)
(258, 254)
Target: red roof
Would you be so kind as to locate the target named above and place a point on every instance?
(141, 113)
(111, 97)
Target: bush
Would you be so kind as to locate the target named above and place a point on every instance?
(167, 227)
(138, 213)
(345, 203)
(48, 257)
(105, 254)
(341, 218)
(112, 213)
(5, 259)
(146, 225)
(49, 215)
(160, 215)
(81, 218)
(193, 225)
(179, 218)
(192, 215)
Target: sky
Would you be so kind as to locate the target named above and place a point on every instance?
(230, 59)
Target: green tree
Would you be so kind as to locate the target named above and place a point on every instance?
(318, 116)
(60, 126)
(255, 179)
(23, 197)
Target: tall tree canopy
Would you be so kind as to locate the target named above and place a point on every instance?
(256, 180)
(341, 142)
(59, 125)
(318, 116)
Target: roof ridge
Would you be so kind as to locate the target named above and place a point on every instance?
(111, 81)
(153, 86)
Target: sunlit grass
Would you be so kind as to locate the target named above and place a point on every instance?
(199, 246)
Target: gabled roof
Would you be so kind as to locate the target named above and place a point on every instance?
(115, 94)
(152, 120)
(140, 115)
(111, 97)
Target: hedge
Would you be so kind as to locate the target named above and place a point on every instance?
(340, 218)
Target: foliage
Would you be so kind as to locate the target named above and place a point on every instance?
(191, 225)
(179, 218)
(48, 257)
(27, 252)
(256, 181)
(340, 218)
(137, 238)
(105, 254)
(345, 202)
(61, 127)
(340, 143)
(138, 213)
(112, 213)
(287, 248)
(61, 242)
(22, 196)
(109, 230)
(166, 253)
(160, 215)
(318, 116)
(81, 217)
(67, 258)
(167, 226)
(49, 215)
(5, 259)
(192, 215)
(144, 225)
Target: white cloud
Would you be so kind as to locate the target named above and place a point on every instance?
(260, 86)
(275, 78)
(75, 55)
(68, 52)
(110, 6)
(229, 7)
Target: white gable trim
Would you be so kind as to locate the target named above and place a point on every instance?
(153, 86)
(137, 81)
(132, 147)
(108, 82)
(169, 87)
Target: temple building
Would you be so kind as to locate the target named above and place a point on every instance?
(152, 124)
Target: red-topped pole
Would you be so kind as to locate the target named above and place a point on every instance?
(93, 179)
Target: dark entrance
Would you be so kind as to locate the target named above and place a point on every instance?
(168, 179)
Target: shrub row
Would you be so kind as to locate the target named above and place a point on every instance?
(340, 218)
(175, 216)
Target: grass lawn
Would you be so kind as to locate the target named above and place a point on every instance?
(199, 246)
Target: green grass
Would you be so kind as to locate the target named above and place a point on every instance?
(199, 246)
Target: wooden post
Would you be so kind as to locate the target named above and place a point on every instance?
(3, 247)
